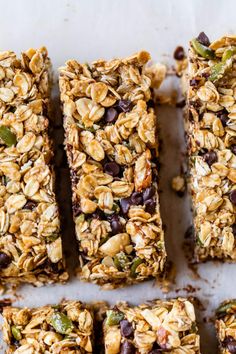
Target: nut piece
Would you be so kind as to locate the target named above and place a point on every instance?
(115, 244)
(111, 145)
(211, 141)
(169, 325)
(30, 240)
(66, 327)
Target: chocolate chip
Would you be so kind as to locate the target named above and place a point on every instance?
(126, 329)
(127, 348)
(116, 225)
(210, 157)
(125, 205)
(232, 196)
(30, 205)
(111, 115)
(112, 168)
(149, 193)
(230, 344)
(150, 206)
(232, 347)
(233, 149)
(203, 39)
(234, 229)
(98, 214)
(5, 260)
(194, 82)
(136, 198)
(223, 115)
(156, 351)
(206, 75)
(124, 105)
(179, 53)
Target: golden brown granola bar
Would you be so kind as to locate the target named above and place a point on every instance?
(211, 130)
(30, 241)
(158, 327)
(111, 144)
(64, 328)
(226, 326)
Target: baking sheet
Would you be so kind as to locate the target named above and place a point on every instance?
(90, 29)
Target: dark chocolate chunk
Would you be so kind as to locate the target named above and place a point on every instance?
(179, 53)
(116, 225)
(127, 348)
(149, 193)
(5, 260)
(230, 344)
(111, 115)
(150, 206)
(125, 205)
(223, 115)
(210, 157)
(233, 149)
(124, 105)
(126, 329)
(30, 205)
(136, 198)
(203, 39)
(112, 168)
(194, 82)
(232, 196)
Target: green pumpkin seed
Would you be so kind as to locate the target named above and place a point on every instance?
(135, 264)
(228, 53)
(217, 71)
(16, 333)
(225, 307)
(7, 136)
(114, 317)
(202, 50)
(80, 218)
(120, 261)
(61, 323)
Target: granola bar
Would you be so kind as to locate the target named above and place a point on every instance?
(65, 328)
(111, 145)
(226, 326)
(161, 326)
(211, 129)
(30, 241)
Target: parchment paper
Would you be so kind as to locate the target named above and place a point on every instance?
(91, 29)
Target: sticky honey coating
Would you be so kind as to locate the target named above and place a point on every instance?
(211, 130)
(160, 326)
(226, 326)
(30, 241)
(63, 328)
(111, 143)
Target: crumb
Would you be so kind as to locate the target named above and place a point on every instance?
(178, 184)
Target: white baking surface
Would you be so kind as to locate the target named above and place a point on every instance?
(91, 29)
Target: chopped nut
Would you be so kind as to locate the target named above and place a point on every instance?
(110, 138)
(49, 329)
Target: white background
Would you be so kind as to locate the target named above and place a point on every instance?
(92, 29)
